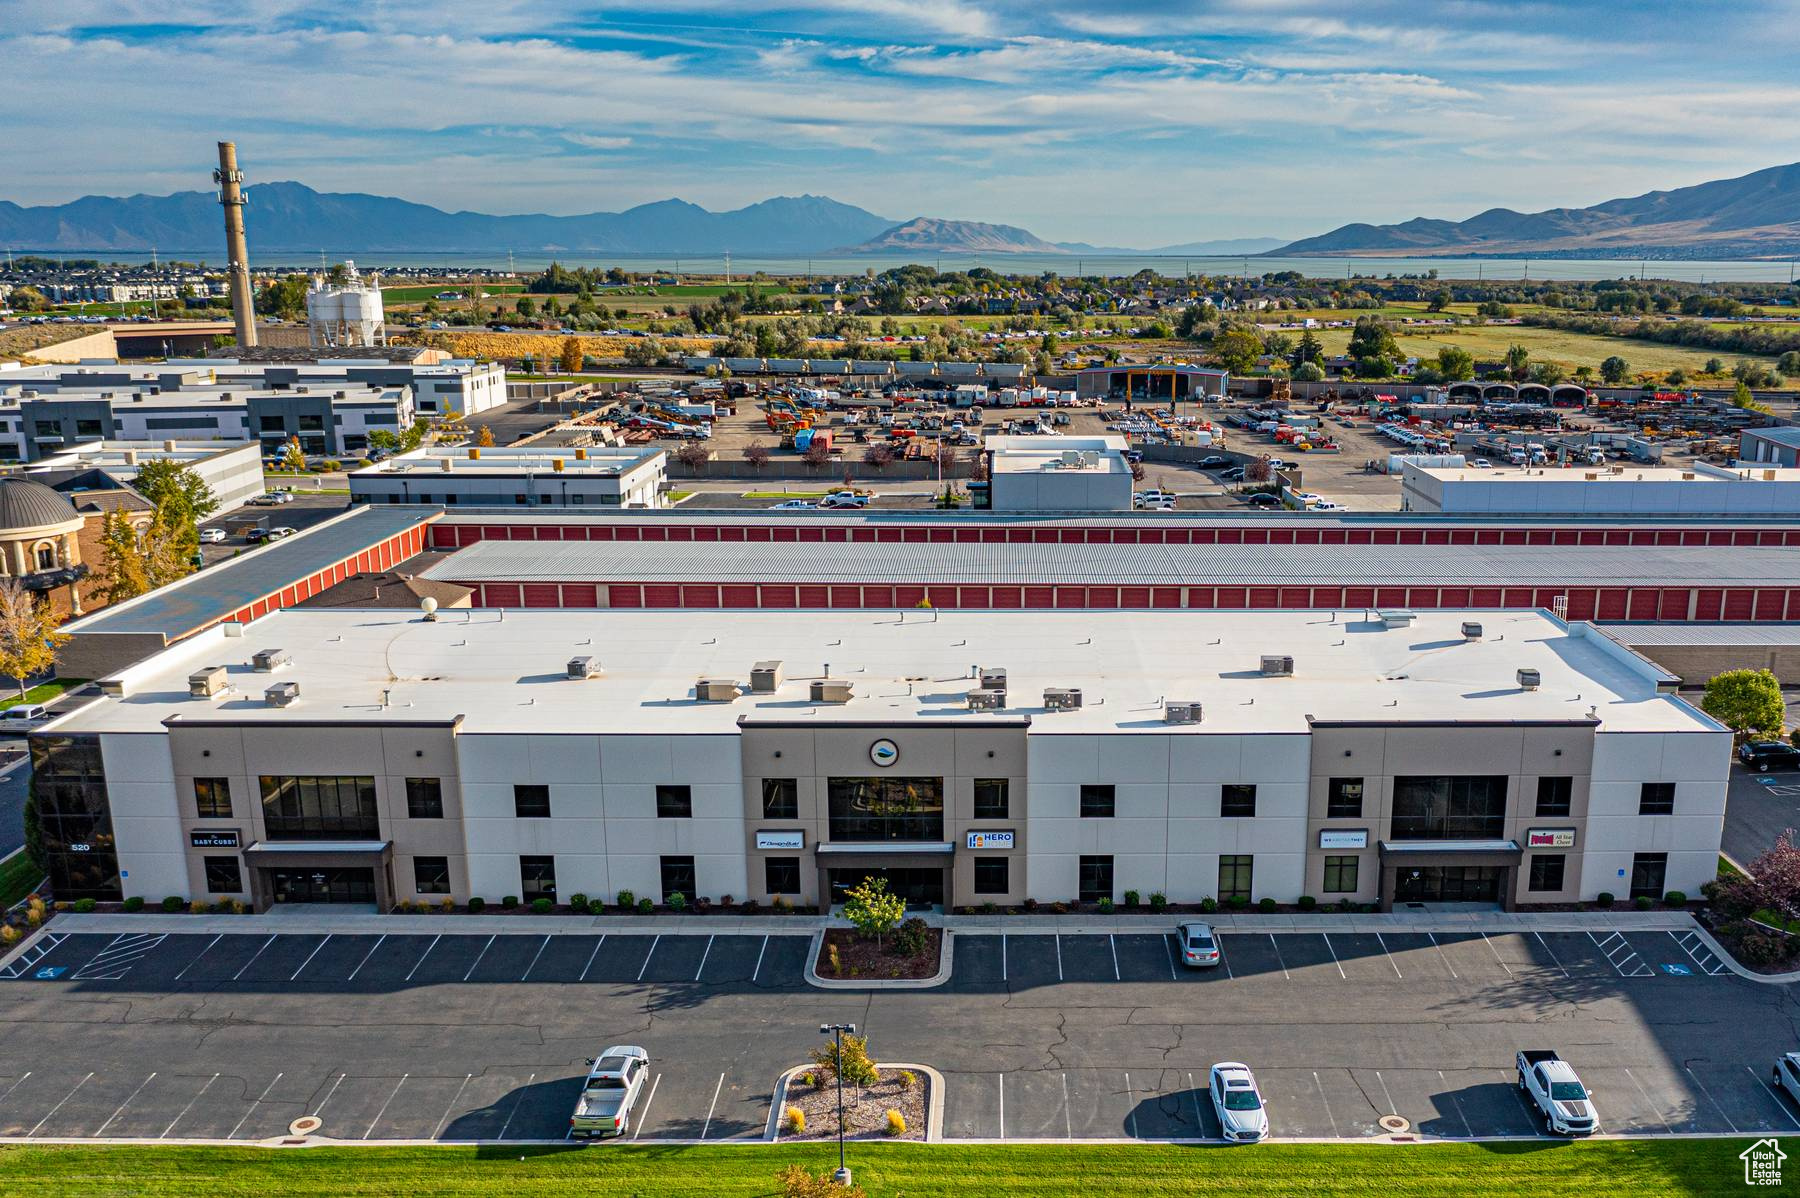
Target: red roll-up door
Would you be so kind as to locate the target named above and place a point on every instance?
(1612, 604)
(1007, 597)
(1457, 597)
(1103, 597)
(1483, 597)
(1582, 601)
(815, 596)
(1332, 536)
(1422, 597)
(1672, 604)
(732, 533)
(1390, 597)
(1708, 604)
(502, 594)
(778, 596)
(908, 596)
(1740, 605)
(846, 596)
(662, 596)
(1769, 604)
(1202, 597)
(1071, 596)
(1328, 597)
(1262, 597)
(878, 596)
(580, 594)
(941, 596)
(1516, 597)
(1642, 605)
(811, 533)
(700, 596)
(738, 596)
(1359, 596)
(1231, 598)
(1134, 596)
(1296, 597)
(975, 597)
(624, 595)
(539, 594)
(1038, 598)
(1165, 596)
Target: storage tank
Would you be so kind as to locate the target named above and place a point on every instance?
(346, 313)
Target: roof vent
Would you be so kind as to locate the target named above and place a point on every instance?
(716, 690)
(207, 682)
(987, 699)
(1277, 665)
(1529, 680)
(830, 690)
(1395, 617)
(1181, 713)
(992, 678)
(584, 667)
(1062, 698)
(282, 694)
(114, 686)
(267, 660)
(1471, 630)
(765, 677)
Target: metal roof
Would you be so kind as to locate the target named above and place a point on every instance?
(1704, 634)
(1108, 564)
(1781, 435)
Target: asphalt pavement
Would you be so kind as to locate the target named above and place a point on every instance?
(1759, 808)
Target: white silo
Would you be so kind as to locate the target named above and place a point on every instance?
(347, 313)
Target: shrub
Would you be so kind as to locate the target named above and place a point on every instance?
(83, 906)
(809, 1078)
(796, 1182)
(1676, 898)
(912, 937)
(1644, 902)
(627, 900)
(1104, 906)
(135, 903)
(10, 935)
(1238, 902)
(541, 906)
(837, 962)
(1131, 898)
(509, 901)
(907, 1079)
(61, 906)
(173, 903)
(1031, 904)
(1209, 904)
(749, 906)
(795, 1120)
(197, 907)
(578, 902)
(780, 905)
(1307, 902)
(988, 908)
(857, 1068)
(1761, 948)
(1604, 898)
(896, 1123)
(34, 915)
(676, 901)
(1266, 906)
(1158, 900)
(477, 905)
(645, 906)
(1059, 908)
(240, 907)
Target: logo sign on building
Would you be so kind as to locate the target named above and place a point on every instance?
(1550, 838)
(795, 840)
(991, 840)
(1339, 838)
(213, 838)
(884, 753)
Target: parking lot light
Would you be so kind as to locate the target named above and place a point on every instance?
(837, 1031)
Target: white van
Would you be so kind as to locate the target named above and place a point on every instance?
(25, 713)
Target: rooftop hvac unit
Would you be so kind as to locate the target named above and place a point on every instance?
(1529, 680)
(1181, 713)
(1277, 665)
(113, 687)
(830, 690)
(765, 677)
(992, 678)
(207, 682)
(265, 661)
(282, 694)
(1396, 617)
(1471, 630)
(716, 690)
(986, 699)
(1062, 698)
(584, 667)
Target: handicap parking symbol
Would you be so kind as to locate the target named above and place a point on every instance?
(1680, 971)
(51, 972)
(1766, 781)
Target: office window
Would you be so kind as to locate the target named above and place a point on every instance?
(68, 785)
(223, 875)
(531, 801)
(1648, 872)
(871, 809)
(313, 808)
(212, 798)
(1340, 875)
(1546, 872)
(1344, 798)
(678, 877)
(1449, 807)
(424, 799)
(1234, 876)
(1096, 878)
(992, 800)
(431, 875)
(1097, 802)
(271, 424)
(781, 798)
(993, 877)
(674, 802)
(1656, 798)
(1237, 798)
(781, 875)
(1554, 796)
(537, 878)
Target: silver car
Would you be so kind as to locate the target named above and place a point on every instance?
(1238, 1103)
(1199, 945)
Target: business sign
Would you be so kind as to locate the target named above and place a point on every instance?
(1339, 838)
(1550, 838)
(990, 840)
(213, 838)
(795, 840)
(884, 753)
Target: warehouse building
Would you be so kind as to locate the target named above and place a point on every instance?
(232, 470)
(1145, 383)
(1699, 490)
(1057, 474)
(621, 477)
(377, 756)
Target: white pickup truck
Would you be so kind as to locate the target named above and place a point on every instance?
(614, 1081)
(1551, 1084)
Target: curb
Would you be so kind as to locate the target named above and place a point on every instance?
(934, 1103)
(1732, 963)
(823, 983)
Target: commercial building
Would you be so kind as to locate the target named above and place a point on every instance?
(625, 477)
(1778, 446)
(1145, 383)
(233, 470)
(1700, 490)
(375, 756)
(1057, 474)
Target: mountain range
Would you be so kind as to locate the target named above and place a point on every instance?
(1754, 215)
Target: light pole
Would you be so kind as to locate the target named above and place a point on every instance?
(836, 1031)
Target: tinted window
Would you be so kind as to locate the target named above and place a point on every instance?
(1237, 799)
(212, 798)
(991, 798)
(781, 875)
(992, 875)
(424, 798)
(1554, 795)
(531, 802)
(1097, 802)
(327, 808)
(223, 876)
(1449, 808)
(431, 875)
(781, 798)
(886, 808)
(1656, 798)
(1344, 798)
(674, 802)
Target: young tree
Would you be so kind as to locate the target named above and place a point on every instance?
(571, 355)
(29, 633)
(878, 456)
(817, 455)
(484, 437)
(292, 456)
(693, 455)
(873, 909)
(1237, 350)
(1309, 372)
(1310, 349)
(854, 1065)
(1518, 361)
(1615, 369)
(165, 481)
(1789, 363)
(1746, 701)
(123, 571)
(757, 455)
(1455, 363)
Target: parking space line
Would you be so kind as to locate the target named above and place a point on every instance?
(239, 1125)
(1168, 944)
(422, 956)
(1003, 956)
(1786, 1109)
(1326, 936)
(1532, 1114)
(703, 956)
(645, 969)
(648, 1098)
(534, 959)
(1113, 941)
(101, 1130)
(1326, 1103)
(1648, 1101)
(1132, 1110)
(1280, 960)
(1728, 1120)
(1553, 956)
(31, 956)
(1621, 954)
(1443, 958)
(318, 1110)
(1068, 1120)
(480, 955)
(1392, 1109)
(438, 1128)
(596, 953)
(188, 1107)
(759, 957)
(29, 1072)
(1470, 1131)
(371, 953)
(59, 1106)
(1390, 956)
(384, 1106)
(1199, 1119)
(712, 1106)
(309, 957)
(1223, 958)
(1059, 974)
(1696, 949)
(196, 960)
(520, 1101)
(1002, 1078)
(1496, 952)
(253, 956)
(116, 959)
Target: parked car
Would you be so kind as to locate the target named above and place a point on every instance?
(1263, 499)
(22, 714)
(1306, 498)
(1199, 946)
(845, 499)
(1787, 1075)
(1233, 475)
(269, 534)
(212, 536)
(1553, 1087)
(614, 1081)
(1214, 463)
(1238, 1103)
(1482, 464)
(1153, 498)
(1765, 755)
(794, 505)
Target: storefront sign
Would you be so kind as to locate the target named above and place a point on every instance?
(884, 753)
(1550, 838)
(213, 838)
(991, 840)
(781, 840)
(1338, 838)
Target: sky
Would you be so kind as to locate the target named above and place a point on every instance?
(1139, 125)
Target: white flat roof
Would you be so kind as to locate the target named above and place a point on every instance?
(604, 460)
(505, 672)
(1594, 475)
(1051, 455)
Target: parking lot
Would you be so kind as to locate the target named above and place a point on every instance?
(472, 1036)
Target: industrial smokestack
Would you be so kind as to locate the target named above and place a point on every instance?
(237, 253)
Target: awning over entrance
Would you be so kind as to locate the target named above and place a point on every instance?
(1455, 848)
(272, 852)
(887, 848)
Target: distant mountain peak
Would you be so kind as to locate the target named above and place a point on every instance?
(924, 234)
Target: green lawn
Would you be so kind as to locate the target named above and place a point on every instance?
(18, 878)
(406, 295)
(1592, 1169)
(43, 692)
(785, 494)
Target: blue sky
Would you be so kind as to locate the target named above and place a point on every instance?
(1123, 124)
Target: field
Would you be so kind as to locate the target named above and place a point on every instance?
(1594, 1169)
(412, 295)
(1489, 344)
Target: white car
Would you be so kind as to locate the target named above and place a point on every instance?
(280, 531)
(794, 505)
(1482, 464)
(1787, 1075)
(212, 536)
(1238, 1103)
(1199, 945)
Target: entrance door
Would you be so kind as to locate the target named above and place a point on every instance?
(1448, 884)
(919, 887)
(323, 885)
